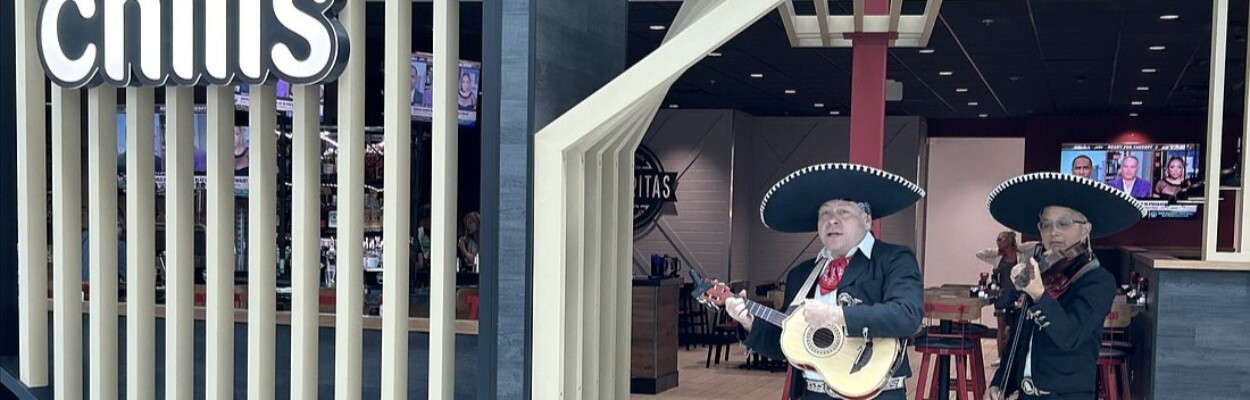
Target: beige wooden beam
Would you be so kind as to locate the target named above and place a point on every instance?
(305, 242)
(102, 212)
(443, 195)
(66, 244)
(32, 206)
(219, 327)
(397, 199)
(140, 244)
(180, 243)
(349, 275)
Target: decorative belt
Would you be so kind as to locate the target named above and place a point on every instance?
(1027, 386)
(820, 386)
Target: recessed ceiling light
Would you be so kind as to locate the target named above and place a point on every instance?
(1148, 70)
(1143, 88)
(657, 27)
(818, 105)
(961, 90)
(835, 112)
(791, 91)
(926, 51)
(946, 73)
(757, 75)
(1169, 17)
(972, 104)
(713, 54)
(1132, 114)
(1136, 102)
(1157, 48)
(672, 106)
(983, 115)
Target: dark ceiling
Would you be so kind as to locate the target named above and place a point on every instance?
(1016, 58)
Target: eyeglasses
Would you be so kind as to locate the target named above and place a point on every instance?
(1063, 224)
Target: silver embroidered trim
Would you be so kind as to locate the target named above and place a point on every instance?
(1038, 176)
(837, 166)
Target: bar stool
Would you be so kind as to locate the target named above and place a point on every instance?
(1113, 372)
(962, 342)
(969, 369)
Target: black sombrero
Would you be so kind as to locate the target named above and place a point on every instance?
(1019, 201)
(791, 205)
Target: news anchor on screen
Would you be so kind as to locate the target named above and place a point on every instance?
(1127, 179)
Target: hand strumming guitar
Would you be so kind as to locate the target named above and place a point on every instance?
(822, 314)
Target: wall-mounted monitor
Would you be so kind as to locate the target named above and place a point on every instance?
(422, 95)
(1167, 177)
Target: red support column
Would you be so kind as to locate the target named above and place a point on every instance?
(868, 90)
(868, 93)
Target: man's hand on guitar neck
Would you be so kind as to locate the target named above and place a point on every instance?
(737, 309)
(821, 314)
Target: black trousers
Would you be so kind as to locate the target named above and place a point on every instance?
(896, 394)
(1062, 396)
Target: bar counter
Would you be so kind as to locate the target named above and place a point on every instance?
(1190, 337)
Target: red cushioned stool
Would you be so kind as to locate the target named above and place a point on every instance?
(1113, 372)
(969, 369)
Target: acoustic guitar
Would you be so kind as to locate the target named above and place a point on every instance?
(853, 366)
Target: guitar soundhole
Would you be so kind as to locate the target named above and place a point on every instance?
(822, 342)
(823, 338)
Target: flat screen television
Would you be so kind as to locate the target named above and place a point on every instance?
(1166, 177)
(421, 96)
(284, 98)
(200, 151)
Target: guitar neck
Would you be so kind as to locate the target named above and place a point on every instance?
(764, 312)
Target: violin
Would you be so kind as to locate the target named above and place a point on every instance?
(1059, 269)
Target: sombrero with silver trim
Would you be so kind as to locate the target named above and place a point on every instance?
(1019, 201)
(792, 204)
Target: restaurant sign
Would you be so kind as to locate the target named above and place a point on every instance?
(85, 43)
(653, 187)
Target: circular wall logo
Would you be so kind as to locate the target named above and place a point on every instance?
(653, 186)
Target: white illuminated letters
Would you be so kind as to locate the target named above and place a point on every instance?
(300, 41)
(53, 56)
(308, 28)
(117, 64)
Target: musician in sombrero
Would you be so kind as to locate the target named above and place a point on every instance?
(871, 287)
(1055, 349)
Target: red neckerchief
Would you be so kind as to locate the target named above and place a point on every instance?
(833, 274)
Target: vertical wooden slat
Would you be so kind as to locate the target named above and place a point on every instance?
(1215, 125)
(66, 244)
(179, 244)
(443, 196)
(305, 246)
(593, 266)
(219, 328)
(262, 208)
(607, 278)
(624, 279)
(349, 276)
(574, 237)
(397, 198)
(32, 206)
(102, 201)
(140, 245)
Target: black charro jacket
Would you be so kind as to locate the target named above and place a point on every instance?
(890, 286)
(1065, 351)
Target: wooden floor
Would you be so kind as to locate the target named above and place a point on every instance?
(726, 381)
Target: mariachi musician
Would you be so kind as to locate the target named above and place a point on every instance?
(880, 279)
(1066, 293)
